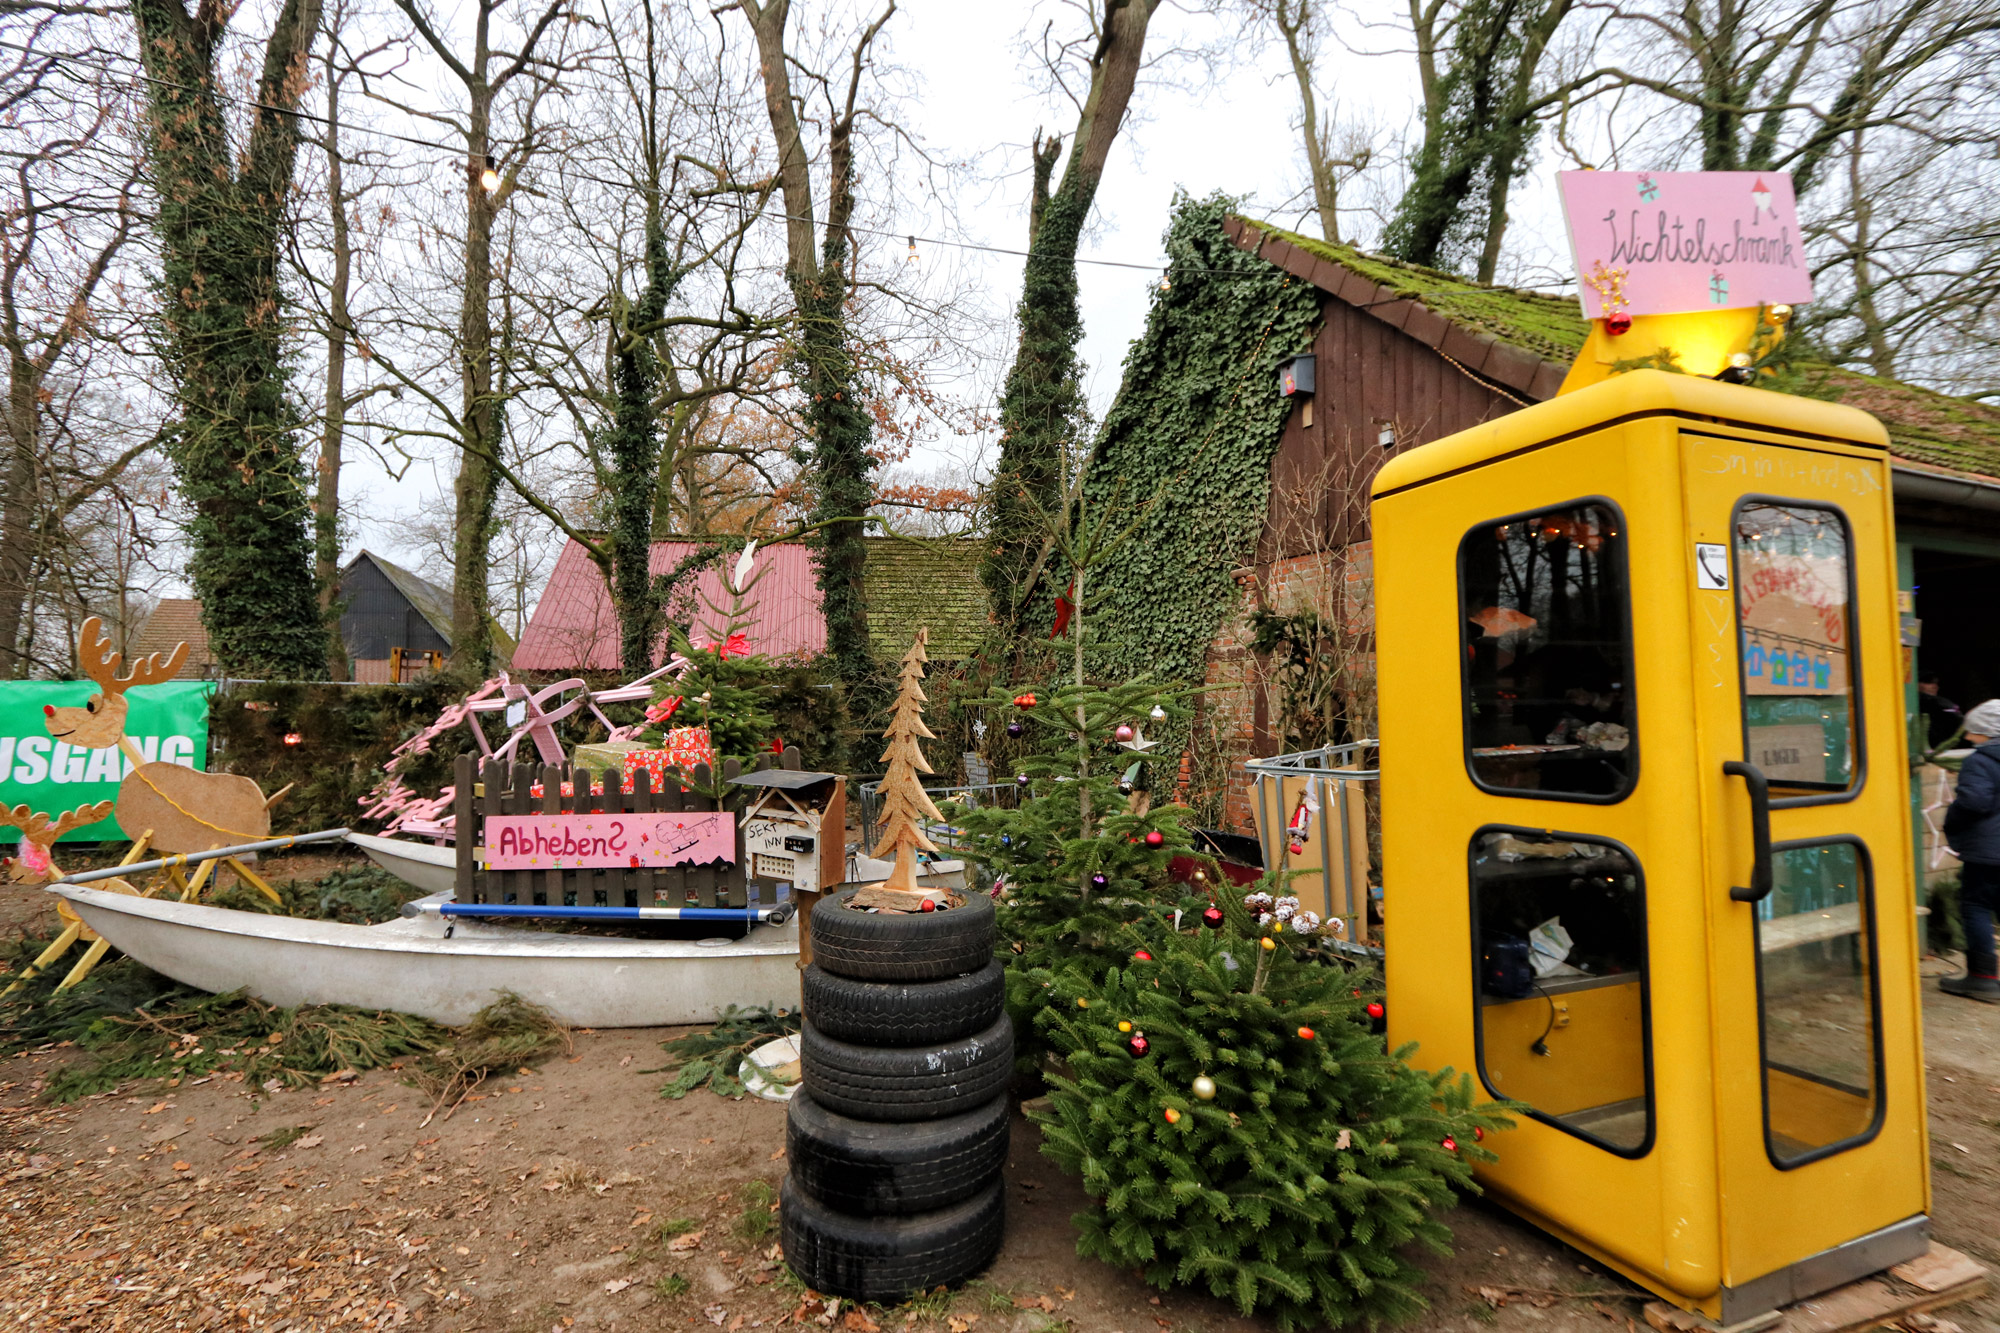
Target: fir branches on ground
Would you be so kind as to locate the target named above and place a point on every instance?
(507, 1034)
(713, 1057)
(1321, 1155)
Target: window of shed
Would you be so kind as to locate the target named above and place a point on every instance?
(1545, 640)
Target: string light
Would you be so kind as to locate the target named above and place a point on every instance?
(489, 178)
(912, 258)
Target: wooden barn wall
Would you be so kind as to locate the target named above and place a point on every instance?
(377, 617)
(1367, 373)
(1316, 528)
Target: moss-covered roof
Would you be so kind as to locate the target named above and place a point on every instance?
(925, 581)
(1552, 327)
(1925, 427)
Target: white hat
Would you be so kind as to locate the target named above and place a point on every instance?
(1984, 720)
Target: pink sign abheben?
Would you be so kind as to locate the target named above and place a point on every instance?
(1669, 242)
(606, 841)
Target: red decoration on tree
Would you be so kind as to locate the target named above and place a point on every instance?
(1138, 1045)
(1212, 918)
(1478, 1134)
(1450, 1144)
(1154, 837)
(1375, 1009)
(1065, 608)
(1142, 956)
(1024, 701)
(1617, 322)
(1306, 1034)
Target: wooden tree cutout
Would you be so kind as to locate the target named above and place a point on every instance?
(905, 803)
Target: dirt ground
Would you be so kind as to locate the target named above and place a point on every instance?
(573, 1197)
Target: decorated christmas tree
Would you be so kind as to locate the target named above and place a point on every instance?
(905, 804)
(1241, 1129)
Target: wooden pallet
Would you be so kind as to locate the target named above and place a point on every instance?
(1929, 1282)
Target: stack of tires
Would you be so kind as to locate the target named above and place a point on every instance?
(898, 1137)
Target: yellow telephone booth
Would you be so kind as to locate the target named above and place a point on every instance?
(1645, 827)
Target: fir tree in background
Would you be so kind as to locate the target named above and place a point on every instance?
(1077, 866)
(1241, 1129)
(727, 688)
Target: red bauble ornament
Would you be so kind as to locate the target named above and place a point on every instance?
(1375, 1009)
(1138, 1045)
(1154, 837)
(1024, 701)
(1617, 322)
(1173, 1116)
(1212, 918)
(1450, 1144)
(1478, 1134)
(927, 906)
(1124, 733)
(1306, 1034)
(1142, 956)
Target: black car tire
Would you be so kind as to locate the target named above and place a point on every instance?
(889, 1259)
(904, 1013)
(870, 1169)
(905, 1083)
(900, 946)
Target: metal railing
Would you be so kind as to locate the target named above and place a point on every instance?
(1342, 839)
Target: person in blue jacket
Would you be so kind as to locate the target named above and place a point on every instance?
(1972, 828)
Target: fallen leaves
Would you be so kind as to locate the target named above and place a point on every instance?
(1042, 1303)
(687, 1240)
(857, 1321)
(960, 1323)
(617, 1284)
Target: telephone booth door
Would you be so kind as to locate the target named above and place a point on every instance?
(1589, 768)
(1798, 704)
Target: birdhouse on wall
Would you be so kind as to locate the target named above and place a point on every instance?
(1295, 377)
(794, 829)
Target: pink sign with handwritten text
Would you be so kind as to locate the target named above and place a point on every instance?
(602, 841)
(1664, 242)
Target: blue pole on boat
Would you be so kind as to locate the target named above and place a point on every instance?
(737, 915)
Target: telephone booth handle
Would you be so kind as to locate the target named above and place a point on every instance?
(1760, 830)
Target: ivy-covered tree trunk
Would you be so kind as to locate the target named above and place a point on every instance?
(635, 453)
(476, 489)
(838, 464)
(1042, 404)
(1479, 120)
(220, 219)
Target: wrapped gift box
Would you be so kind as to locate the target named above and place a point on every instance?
(686, 748)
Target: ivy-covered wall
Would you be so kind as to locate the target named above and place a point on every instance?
(1190, 437)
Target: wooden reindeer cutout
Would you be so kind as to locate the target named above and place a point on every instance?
(34, 864)
(185, 810)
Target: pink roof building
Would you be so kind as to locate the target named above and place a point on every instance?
(575, 627)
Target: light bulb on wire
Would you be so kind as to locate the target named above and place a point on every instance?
(911, 258)
(489, 176)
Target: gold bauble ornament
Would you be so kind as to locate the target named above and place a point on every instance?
(1204, 1087)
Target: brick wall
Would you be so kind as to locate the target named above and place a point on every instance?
(1240, 713)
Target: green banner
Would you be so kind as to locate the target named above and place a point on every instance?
(167, 722)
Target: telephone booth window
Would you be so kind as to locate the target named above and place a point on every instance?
(1559, 939)
(1795, 616)
(1545, 641)
(1817, 1002)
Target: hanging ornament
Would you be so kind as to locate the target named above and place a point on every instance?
(1124, 787)
(1450, 1143)
(1158, 714)
(1021, 779)
(1138, 744)
(1138, 1045)
(1015, 728)
(1618, 322)
(1140, 955)
(1306, 1034)
(1212, 918)
(1024, 701)
(1007, 840)
(1099, 880)
(1204, 1087)
(1123, 734)
(1268, 943)
(1082, 1002)
(1375, 1009)
(1478, 1134)
(1124, 1025)
(1155, 838)
(1201, 877)
(1173, 1116)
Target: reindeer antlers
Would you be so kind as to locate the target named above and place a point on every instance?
(37, 827)
(94, 655)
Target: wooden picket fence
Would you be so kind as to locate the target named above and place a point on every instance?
(509, 789)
